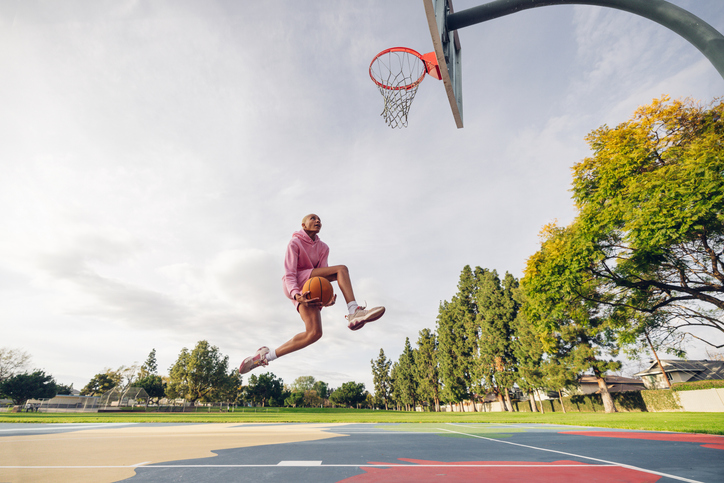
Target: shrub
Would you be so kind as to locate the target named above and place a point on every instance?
(695, 385)
(660, 400)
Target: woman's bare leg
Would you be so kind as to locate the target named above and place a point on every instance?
(312, 317)
(340, 274)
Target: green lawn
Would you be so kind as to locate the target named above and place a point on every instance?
(711, 423)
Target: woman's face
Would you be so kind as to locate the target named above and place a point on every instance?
(312, 223)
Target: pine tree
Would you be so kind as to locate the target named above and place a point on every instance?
(495, 363)
(457, 340)
(406, 376)
(382, 379)
(426, 369)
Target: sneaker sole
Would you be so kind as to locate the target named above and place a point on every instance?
(362, 323)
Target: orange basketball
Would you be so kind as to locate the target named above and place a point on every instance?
(319, 288)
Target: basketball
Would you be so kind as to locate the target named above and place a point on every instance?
(319, 288)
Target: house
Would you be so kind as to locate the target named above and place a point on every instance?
(587, 384)
(681, 371)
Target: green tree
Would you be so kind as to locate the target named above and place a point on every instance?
(266, 389)
(495, 364)
(321, 388)
(457, 339)
(295, 399)
(200, 375)
(580, 335)
(406, 379)
(22, 387)
(425, 369)
(153, 385)
(382, 379)
(349, 394)
(302, 383)
(150, 367)
(529, 354)
(650, 225)
(63, 389)
(99, 384)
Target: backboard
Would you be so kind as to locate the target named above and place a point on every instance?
(447, 51)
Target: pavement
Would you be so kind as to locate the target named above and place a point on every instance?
(353, 453)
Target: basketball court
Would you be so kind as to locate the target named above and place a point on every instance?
(353, 453)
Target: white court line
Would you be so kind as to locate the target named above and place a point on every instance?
(313, 463)
(574, 455)
(69, 427)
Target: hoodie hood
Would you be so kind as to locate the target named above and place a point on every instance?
(303, 237)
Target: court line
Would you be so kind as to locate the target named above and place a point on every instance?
(623, 465)
(66, 428)
(305, 464)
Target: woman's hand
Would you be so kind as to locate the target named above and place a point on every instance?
(303, 298)
(331, 302)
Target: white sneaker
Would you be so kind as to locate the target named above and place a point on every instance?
(258, 359)
(362, 315)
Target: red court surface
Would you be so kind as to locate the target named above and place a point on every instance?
(353, 453)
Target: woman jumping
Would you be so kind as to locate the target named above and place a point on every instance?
(306, 258)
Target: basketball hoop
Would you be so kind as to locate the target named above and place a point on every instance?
(398, 72)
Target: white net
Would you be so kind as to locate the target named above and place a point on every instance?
(397, 74)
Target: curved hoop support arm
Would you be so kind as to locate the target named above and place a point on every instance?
(697, 32)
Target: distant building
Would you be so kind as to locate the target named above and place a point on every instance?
(587, 384)
(681, 371)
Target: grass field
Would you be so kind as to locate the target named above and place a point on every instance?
(709, 423)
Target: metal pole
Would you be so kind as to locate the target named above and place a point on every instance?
(697, 32)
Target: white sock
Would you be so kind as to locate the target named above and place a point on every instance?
(271, 355)
(352, 306)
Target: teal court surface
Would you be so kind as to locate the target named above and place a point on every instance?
(162, 452)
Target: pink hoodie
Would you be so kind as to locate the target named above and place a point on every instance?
(303, 255)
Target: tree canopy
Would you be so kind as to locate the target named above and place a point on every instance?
(201, 374)
(649, 235)
(35, 385)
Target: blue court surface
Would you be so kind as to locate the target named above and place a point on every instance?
(354, 453)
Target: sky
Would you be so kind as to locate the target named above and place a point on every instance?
(156, 157)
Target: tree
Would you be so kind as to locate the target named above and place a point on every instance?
(150, 367)
(265, 389)
(295, 399)
(153, 385)
(302, 383)
(495, 362)
(201, 374)
(349, 394)
(529, 351)
(405, 380)
(580, 333)
(425, 369)
(12, 361)
(650, 223)
(63, 389)
(382, 379)
(22, 387)
(321, 388)
(99, 384)
(457, 339)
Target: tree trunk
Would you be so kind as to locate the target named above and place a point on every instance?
(531, 400)
(501, 401)
(541, 406)
(608, 404)
(508, 401)
(661, 366)
(560, 400)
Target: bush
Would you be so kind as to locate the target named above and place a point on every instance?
(696, 385)
(660, 400)
(629, 401)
